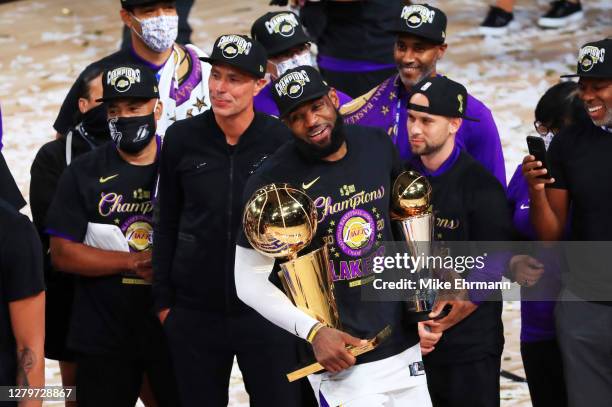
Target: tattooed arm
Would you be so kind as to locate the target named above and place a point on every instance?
(28, 322)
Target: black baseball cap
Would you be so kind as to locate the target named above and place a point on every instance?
(128, 81)
(592, 60)
(296, 87)
(138, 3)
(446, 97)
(240, 52)
(422, 20)
(279, 31)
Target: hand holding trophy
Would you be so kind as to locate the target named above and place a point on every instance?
(279, 221)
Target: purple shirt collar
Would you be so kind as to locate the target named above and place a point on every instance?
(446, 165)
(348, 65)
(146, 63)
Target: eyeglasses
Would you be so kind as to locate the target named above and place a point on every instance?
(542, 129)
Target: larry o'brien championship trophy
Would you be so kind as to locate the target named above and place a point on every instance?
(279, 221)
(411, 200)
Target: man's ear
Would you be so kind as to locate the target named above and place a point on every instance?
(333, 95)
(158, 110)
(454, 124)
(259, 85)
(442, 50)
(126, 18)
(83, 105)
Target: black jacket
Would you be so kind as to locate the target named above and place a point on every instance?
(200, 210)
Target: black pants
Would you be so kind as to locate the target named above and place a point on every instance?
(203, 345)
(116, 380)
(356, 84)
(473, 384)
(544, 370)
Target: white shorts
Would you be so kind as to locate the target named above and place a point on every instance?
(397, 381)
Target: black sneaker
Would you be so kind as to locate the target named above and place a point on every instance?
(497, 22)
(561, 13)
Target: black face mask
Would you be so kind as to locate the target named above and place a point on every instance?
(132, 134)
(314, 152)
(95, 123)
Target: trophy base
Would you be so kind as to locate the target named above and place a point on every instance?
(355, 351)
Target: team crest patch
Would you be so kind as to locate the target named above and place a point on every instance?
(139, 235)
(589, 56)
(123, 78)
(283, 24)
(232, 45)
(356, 232)
(416, 15)
(292, 85)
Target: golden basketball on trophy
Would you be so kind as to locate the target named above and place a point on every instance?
(279, 221)
(411, 201)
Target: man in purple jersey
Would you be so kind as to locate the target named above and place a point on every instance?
(420, 44)
(282, 35)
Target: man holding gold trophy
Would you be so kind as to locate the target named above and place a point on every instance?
(315, 193)
(463, 348)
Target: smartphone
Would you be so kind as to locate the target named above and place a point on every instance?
(537, 148)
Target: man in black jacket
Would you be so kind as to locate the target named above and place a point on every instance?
(205, 163)
(463, 348)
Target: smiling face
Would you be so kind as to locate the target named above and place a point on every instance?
(428, 133)
(314, 121)
(597, 97)
(416, 58)
(232, 90)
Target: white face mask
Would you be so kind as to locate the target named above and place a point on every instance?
(293, 62)
(159, 33)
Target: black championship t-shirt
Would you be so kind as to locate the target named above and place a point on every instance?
(579, 160)
(469, 205)
(352, 200)
(111, 314)
(358, 30)
(21, 276)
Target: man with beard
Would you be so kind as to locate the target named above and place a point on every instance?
(578, 157)
(49, 164)
(326, 159)
(463, 348)
(205, 164)
(282, 35)
(101, 229)
(420, 44)
(181, 76)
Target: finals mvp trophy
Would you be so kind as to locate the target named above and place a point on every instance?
(411, 202)
(279, 221)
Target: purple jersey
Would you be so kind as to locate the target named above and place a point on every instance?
(385, 106)
(264, 101)
(537, 317)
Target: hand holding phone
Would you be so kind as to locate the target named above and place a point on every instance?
(537, 148)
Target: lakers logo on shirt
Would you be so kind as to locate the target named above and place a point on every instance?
(417, 15)
(356, 232)
(139, 235)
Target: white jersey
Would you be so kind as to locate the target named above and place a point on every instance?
(191, 97)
